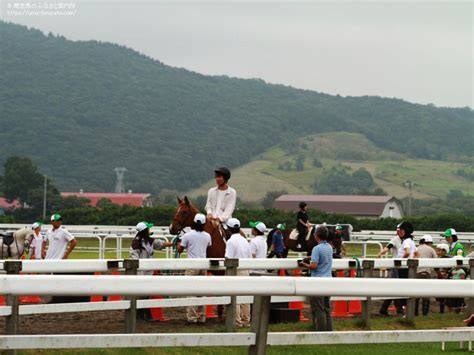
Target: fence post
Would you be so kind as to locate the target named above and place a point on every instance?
(411, 302)
(259, 326)
(231, 270)
(12, 321)
(367, 267)
(131, 266)
(471, 273)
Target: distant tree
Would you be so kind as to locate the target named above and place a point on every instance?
(317, 163)
(20, 177)
(270, 197)
(299, 164)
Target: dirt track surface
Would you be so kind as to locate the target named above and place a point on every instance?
(109, 322)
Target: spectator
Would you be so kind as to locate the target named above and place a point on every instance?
(393, 246)
(321, 266)
(407, 250)
(258, 244)
(442, 251)
(425, 250)
(143, 247)
(196, 243)
(302, 225)
(237, 247)
(37, 251)
(277, 247)
(455, 247)
(59, 241)
(456, 273)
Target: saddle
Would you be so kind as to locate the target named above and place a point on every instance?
(7, 241)
(294, 234)
(7, 238)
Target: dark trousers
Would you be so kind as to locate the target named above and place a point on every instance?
(321, 312)
(387, 303)
(425, 302)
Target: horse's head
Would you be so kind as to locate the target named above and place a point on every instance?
(183, 217)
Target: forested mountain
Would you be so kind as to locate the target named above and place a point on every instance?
(81, 108)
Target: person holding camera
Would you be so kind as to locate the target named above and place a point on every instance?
(320, 265)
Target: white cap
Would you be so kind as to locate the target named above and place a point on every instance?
(36, 225)
(260, 226)
(200, 218)
(142, 226)
(443, 246)
(233, 223)
(427, 238)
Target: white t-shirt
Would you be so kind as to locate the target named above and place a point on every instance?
(258, 247)
(407, 243)
(57, 242)
(219, 202)
(237, 247)
(397, 244)
(37, 243)
(196, 244)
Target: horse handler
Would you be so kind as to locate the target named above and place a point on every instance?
(196, 243)
(143, 247)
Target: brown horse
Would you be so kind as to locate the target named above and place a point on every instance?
(184, 218)
(290, 244)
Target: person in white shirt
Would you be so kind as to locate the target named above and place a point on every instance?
(237, 247)
(392, 246)
(425, 250)
(221, 199)
(196, 243)
(37, 251)
(407, 250)
(258, 244)
(59, 241)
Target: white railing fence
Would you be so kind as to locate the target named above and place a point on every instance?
(262, 288)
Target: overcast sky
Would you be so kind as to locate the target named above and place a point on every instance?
(415, 50)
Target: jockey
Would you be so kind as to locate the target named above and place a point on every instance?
(221, 199)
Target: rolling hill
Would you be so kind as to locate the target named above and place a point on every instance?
(81, 108)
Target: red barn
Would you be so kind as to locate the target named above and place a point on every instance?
(132, 199)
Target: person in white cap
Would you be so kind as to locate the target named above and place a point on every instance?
(143, 246)
(237, 247)
(37, 251)
(425, 250)
(455, 247)
(196, 243)
(59, 241)
(258, 244)
(221, 199)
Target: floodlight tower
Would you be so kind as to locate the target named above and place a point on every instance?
(119, 184)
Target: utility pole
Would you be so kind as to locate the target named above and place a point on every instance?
(409, 184)
(119, 184)
(45, 189)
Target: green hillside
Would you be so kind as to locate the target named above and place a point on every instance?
(432, 178)
(81, 108)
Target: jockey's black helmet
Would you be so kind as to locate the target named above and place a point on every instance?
(224, 172)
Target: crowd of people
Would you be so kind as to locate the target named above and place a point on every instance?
(58, 243)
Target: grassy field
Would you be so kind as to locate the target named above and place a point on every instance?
(91, 243)
(432, 178)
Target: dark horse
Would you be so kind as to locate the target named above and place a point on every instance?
(184, 218)
(290, 244)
